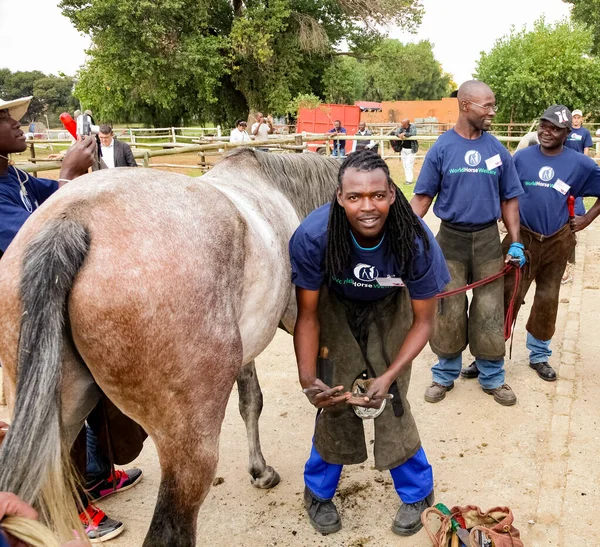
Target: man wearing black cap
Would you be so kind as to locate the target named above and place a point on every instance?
(549, 173)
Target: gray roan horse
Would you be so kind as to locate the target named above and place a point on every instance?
(160, 290)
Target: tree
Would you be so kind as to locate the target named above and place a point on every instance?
(587, 12)
(173, 61)
(51, 94)
(405, 72)
(344, 81)
(303, 100)
(531, 70)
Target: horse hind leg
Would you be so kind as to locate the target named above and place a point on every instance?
(251, 403)
(188, 451)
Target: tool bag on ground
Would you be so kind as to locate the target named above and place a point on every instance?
(496, 524)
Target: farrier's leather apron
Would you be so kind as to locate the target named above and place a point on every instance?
(339, 434)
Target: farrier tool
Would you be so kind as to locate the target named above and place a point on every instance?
(462, 534)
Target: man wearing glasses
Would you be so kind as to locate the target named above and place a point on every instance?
(475, 181)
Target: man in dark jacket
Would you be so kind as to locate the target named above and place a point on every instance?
(115, 153)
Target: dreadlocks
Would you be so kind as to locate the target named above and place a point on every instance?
(402, 226)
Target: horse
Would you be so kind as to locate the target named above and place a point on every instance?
(158, 290)
(529, 139)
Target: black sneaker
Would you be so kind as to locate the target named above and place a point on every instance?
(323, 515)
(544, 371)
(99, 527)
(123, 480)
(408, 517)
(470, 372)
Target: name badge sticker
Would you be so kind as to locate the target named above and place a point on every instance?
(561, 187)
(390, 281)
(494, 161)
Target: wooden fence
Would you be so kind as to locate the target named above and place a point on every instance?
(295, 143)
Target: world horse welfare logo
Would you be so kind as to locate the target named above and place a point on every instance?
(366, 272)
(546, 173)
(472, 158)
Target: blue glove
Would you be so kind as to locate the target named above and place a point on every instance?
(516, 250)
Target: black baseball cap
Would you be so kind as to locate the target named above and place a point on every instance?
(559, 115)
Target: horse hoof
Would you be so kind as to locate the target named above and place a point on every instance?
(268, 479)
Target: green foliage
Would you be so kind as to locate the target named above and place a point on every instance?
(587, 12)
(529, 71)
(344, 81)
(405, 72)
(169, 62)
(304, 100)
(51, 94)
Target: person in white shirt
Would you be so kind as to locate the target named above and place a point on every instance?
(357, 146)
(115, 153)
(262, 128)
(239, 133)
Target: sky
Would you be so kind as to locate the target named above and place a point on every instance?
(461, 29)
(34, 35)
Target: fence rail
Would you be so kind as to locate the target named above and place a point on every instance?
(298, 140)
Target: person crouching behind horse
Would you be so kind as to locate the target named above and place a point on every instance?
(20, 196)
(366, 271)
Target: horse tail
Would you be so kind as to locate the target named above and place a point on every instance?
(34, 461)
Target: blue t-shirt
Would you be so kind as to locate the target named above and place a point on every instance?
(548, 181)
(579, 139)
(15, 208)
(373, 273)
(340, 143)
(470, 177)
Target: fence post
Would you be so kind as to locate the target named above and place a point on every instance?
(131, 136)
(219, 131)
(173, 135)
(146, 159)
(32, 146)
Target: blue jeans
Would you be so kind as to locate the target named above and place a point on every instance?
(540, 350)
(491, 373)
(97, 464)
(338, 151)
(413, 480)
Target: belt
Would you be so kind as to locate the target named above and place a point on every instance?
(540, 237)
(468, 228)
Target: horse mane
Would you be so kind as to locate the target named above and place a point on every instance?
(307, 180)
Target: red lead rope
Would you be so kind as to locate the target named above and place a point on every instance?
(510, 312)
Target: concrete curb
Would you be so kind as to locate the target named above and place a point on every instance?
(554, 469)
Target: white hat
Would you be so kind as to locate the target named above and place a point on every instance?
(16, 107)
(577, 113)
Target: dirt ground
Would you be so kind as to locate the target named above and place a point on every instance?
(539, 457)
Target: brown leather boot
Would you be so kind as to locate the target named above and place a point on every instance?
(503, 395)
(436, 392)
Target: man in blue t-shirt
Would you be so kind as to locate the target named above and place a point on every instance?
(20, 193)
(339, 146)
(474, 178)
(366, 271)
(550, 173)
(579, 138)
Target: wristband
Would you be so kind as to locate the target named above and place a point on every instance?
(64, 180)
